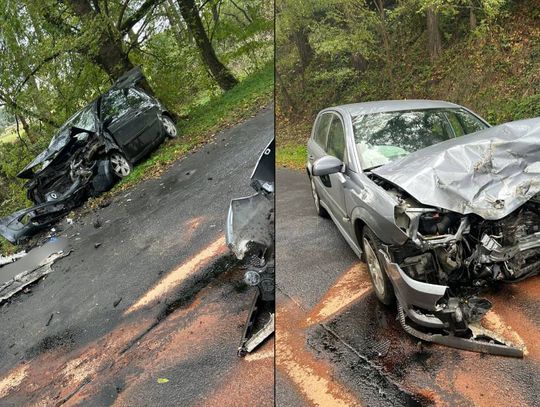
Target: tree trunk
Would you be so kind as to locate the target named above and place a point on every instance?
(111, 56)
(434, 35)
(305, 51)
(383, 30)
(359, 62)
(472, 17)
(219, 72)
(288, 104)
(174, 20)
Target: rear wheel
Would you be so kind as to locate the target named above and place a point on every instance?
(120, 165)
(320, 210)
(169, 127)
(381, 283)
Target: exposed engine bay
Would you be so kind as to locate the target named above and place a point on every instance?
(80, 161)
(80, 170)
(465, 253)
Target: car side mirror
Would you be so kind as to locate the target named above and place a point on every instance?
(327, 165)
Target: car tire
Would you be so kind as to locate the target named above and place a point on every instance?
(323, 213)
(381, 283)
(169, 127)
(120, 165)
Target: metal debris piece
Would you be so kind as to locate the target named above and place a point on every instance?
(37, 263)
(11, 258)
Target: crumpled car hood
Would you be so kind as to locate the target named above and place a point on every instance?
(490, 173)
(58, 144)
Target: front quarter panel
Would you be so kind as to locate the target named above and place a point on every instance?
(373, 206)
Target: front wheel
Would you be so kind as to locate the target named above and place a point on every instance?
(120, 165)
(169, 127)
(379, 279)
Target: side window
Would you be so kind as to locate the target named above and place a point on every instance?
(114, 105)
(135, 100)
(336, 139)
(455, 123)
(118, 102)
(321, 130)
(469, 123)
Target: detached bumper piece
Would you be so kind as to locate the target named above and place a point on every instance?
(257, 330)
(481, 340)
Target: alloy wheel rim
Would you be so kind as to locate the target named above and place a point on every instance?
(170, 128)
(120, 165)
(374, 267)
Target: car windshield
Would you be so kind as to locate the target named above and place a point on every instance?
(387, 136)
(84, 119)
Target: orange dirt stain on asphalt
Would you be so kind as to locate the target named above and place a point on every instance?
(13, 380)
(350, 287)
(55, 375)
(194, 223)
(523, 327)
(529, 288)
(180, 274)
(312, 377)
(483, 389)
(242, 386)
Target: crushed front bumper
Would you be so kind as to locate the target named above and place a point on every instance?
(428, 307)
(27, 222)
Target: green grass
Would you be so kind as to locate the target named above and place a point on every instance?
(9, 135)
(292, 156)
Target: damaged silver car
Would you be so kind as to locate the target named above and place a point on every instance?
(89, 153)
(439, 204)
(250, 236)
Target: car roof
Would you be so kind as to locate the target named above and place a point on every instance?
(355, 109)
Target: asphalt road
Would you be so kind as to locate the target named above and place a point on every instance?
(336, 345)
(153, 315)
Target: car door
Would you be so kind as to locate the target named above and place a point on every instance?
(335, 188)
(132, 121)
(317, 149)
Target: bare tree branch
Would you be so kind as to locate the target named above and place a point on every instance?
(244, 12)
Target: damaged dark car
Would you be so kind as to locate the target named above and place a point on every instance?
(96, 147)
(438, 203)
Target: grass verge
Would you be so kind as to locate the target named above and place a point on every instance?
(292, 156)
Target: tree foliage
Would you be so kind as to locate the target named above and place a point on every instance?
(327, 50)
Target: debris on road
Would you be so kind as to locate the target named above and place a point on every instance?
(115, 304)
(37, 263)
(11, 258)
